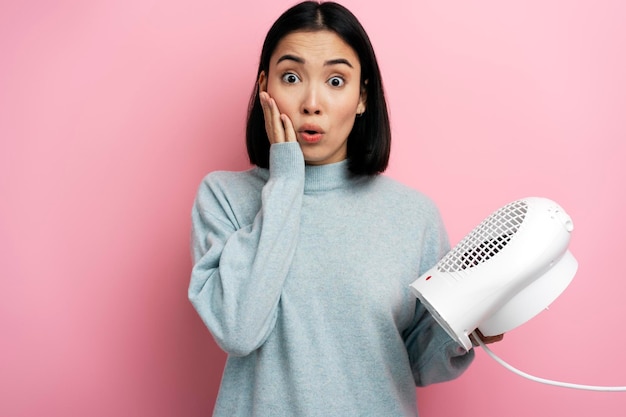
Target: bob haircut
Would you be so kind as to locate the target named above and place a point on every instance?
(369, 142)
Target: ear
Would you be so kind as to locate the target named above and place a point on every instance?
(361, 107)
(262, 81)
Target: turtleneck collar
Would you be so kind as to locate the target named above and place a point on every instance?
(326, 177)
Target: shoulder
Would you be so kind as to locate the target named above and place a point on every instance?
(420, 217)
(233, 182)
(230, 189)
(248, 177)
(410, 217)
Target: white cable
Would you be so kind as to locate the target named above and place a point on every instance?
(543, 380)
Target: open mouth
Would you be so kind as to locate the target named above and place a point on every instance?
(310, 134)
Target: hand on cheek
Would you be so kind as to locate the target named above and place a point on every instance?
(278, 126)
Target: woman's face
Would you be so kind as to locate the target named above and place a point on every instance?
(314, 77)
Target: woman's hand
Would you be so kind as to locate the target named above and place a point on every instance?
(278, 126)
(485, 339)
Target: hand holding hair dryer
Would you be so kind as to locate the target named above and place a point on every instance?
(508, 269)
(512, 266)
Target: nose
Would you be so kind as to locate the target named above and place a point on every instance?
(311, 101)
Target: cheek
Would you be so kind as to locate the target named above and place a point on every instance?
(284, 105)
(346, 113)
(284, 100)
(348, 124)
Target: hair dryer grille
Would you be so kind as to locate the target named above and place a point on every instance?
(487, 239)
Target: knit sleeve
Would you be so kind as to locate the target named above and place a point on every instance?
(239, 271)
(433, 354)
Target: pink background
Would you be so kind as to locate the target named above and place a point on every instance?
(111, 112)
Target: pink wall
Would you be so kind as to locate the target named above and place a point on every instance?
(112, 111)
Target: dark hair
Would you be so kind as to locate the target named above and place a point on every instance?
(369, 142)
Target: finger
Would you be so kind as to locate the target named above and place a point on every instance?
(277, 124)
(264, 99)
(290, 133)
(493, 339)
(485, 339)
(273, 124)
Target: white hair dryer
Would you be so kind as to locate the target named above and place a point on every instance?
(508, 269)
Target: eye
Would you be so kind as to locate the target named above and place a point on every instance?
(290, 78)
(336, 81)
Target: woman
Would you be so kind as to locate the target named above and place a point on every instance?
(302, 263)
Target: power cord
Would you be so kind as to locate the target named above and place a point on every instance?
(543, 380)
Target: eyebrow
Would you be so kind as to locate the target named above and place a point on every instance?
(289, 57)
(337, 61)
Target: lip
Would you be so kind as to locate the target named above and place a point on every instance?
(310, 133)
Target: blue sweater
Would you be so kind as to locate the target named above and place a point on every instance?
(301, 274)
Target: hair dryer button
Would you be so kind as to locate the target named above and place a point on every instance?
(565, 220)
